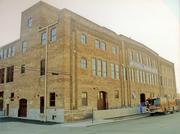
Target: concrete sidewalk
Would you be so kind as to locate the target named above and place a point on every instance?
(82, 123)
(89, 123)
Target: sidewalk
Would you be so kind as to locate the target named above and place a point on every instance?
(89, 123)
(82, 123)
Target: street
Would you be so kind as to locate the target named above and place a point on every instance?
(158, 124)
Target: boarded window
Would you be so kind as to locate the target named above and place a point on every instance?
(116, 94)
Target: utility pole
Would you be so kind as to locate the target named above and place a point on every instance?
(46, 67)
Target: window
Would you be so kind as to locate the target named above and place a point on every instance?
(22, 69)
(104, 65)
(12, 96)
(114, 50)
(29, 22)
(97, 43)
(83, 63)
(94, 66)
(137, 75)
(10, 74)
(42, 67)
(125, 73)
(83, 39)
(5, 53)
(52, 99)
(1, 54)
(2, 75)
(42, 104)
(24, 46)
(103, 46)
(13, 51)
(116, 94)
(84, 99)
(43, 38)
(112, 71)
(9, 52)
(117, 72)
(53, 34)
(99, 68)
(132, 74)
(1, 101)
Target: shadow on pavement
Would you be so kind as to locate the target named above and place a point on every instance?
(10, 119)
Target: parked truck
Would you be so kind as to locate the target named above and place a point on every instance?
(161, 105)
(177, 105)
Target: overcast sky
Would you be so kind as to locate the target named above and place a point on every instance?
(155, 23)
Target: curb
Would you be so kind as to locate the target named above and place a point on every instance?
(114, 121)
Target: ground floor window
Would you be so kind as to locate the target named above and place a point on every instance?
(84, 99)
(52, 99)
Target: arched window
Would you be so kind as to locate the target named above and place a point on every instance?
(83, 63)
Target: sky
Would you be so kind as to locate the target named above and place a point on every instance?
(155, 23)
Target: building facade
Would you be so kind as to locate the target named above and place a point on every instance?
(64, 63)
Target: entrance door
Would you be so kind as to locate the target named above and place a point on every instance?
(142, 99)
(42, 104)
(1, 101)
(102, 100)
(22, 108)
(7, 108)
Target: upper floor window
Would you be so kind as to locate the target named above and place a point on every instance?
(83, 39)
(43, 38)
(2, 75)
(9, 52)
(13, 51)
(99, 67)
(94, 66)
(5, 53)
(42, 67)
(104, 65)
(24, 47)
(1, 54)
(112, 71)
(29, 22)
(53, 34)
(114, 50)
(84, 99)
(124, 73)
(97, 43)
(103, 46)
(117, 72)
(10, 74)
(83, 63)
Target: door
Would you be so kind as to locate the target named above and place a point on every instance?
(102, 100)
(22, 108)
(7, 110)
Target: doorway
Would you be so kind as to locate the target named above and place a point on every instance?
(102, 101)
(7, 110)
(142, 99)
(22, 108)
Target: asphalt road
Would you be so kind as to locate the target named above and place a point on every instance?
(159, 124)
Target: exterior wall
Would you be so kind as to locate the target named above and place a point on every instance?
(64, 57)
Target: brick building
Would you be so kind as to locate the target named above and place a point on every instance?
(65, 63)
